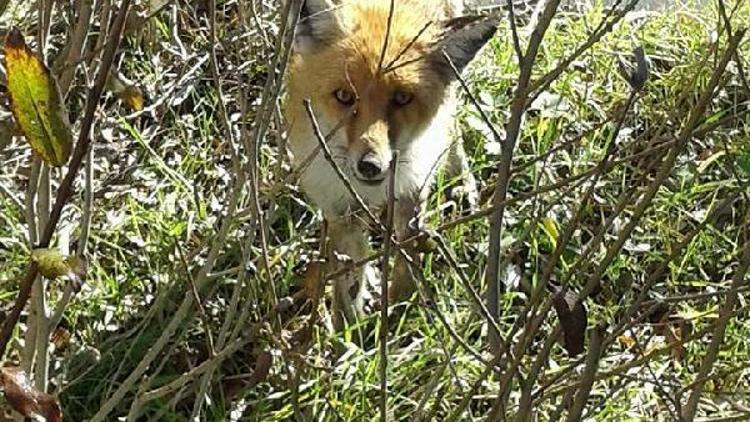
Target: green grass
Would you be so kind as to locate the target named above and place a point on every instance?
(164, 178)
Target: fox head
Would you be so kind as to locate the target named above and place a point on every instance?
(377, 95)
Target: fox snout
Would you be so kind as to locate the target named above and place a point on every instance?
(371, 167)
(370, 153)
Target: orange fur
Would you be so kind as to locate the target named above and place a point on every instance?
(352, 62)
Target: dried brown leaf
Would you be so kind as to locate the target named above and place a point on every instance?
(626, 341)
(312, 280)
(234, 385)
(572, 313)
(61, 338)
(25, 399)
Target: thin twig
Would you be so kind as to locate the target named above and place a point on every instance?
(485, 118)
(737, 58)
(589, 373)
(268, 99)
(393, 64)
(459, 410)
(270, 91)
(525, 405)
(561, 246)
(604, 28)
(571, 181)
(685, 134)
(391, 10)
(27, 355)
(654, 277)
(187, 377)
(667, 165)
(649, 356)
(387, 245)
(682, 139)
(83, 240)
(197, 299)
(453, 263)
(68, 62)
(514, 31)
(39, 291)
(340, 173)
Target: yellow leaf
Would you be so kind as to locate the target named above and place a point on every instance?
(550, 226)
(53, 264)
(133, 98)
(126, 91)
(626, 341)
(36, 102)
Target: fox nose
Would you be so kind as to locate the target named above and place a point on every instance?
(370, 166)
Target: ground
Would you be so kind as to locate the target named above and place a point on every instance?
(174, 207)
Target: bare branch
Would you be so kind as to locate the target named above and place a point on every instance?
(389, 23)
(589, 373)
(65, 191)
(387, 245)
(717, 338)
(513, 131)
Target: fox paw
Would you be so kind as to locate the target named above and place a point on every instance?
(465, 194)
(371, 291)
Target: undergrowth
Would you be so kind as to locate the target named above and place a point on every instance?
(163, 177)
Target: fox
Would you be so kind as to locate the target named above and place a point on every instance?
(379, 76)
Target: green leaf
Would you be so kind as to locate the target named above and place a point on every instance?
(550, 227)
(744, 162)
(36, 102)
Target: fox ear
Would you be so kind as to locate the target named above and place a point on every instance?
(461, 40)
(317, 21)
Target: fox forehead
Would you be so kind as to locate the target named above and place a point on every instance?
(347, 68)
(354, 52)
(409, 29)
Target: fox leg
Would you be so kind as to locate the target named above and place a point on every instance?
(457, 165)
(405, 224)
(348, 243)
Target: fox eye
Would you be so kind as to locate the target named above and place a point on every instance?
(344, 96)
(402, 98)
